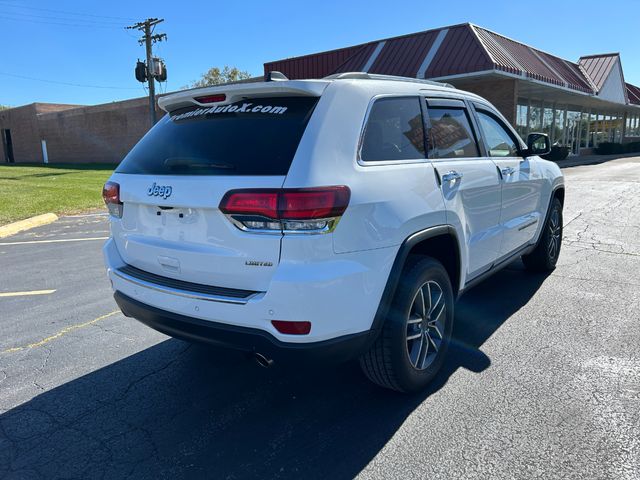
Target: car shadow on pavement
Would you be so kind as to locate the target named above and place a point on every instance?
(180, 411)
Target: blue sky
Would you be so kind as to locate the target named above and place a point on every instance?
(82, 43)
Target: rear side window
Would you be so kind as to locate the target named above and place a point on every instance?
(394, 130)
(258, 136)
(451, 134)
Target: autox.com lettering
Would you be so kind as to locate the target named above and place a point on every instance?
(233, 108)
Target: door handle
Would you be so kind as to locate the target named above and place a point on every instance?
(451, 176)
(508, 171)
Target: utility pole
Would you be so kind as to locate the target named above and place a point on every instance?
(148, 39)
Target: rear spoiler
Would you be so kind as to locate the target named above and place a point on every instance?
(240, 91)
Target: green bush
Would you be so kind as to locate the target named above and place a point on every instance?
(608, 148)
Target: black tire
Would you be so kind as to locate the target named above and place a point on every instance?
(545, 256)
(390, 361)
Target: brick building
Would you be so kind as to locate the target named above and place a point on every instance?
(57, 133)
(579, 104)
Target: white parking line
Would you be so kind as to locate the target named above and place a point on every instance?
(55, 241)
(21, 294)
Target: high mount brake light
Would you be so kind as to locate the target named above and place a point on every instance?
(311, 210)
(220, 97)
(111, 197)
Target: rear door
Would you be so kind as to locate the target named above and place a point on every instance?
(172, 182)
(470, 183)
(520, 189)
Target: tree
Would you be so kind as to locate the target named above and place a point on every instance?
(215, 76)
(4, 107)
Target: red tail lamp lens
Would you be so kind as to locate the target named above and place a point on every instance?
(251, 202)
(111, 197)
(314, 203)
(288, 204)
(292, 328)
(220, 97)
(111, 193)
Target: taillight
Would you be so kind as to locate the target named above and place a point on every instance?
(303, 210)
(314, 202)
(111, 197)
(251, 202)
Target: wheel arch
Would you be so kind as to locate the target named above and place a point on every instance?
(558, 192)
(439, 242)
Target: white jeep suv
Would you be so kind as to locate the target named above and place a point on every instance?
(326, 219)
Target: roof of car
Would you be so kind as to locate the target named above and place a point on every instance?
(313, 87)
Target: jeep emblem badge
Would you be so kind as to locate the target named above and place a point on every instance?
(163, 191)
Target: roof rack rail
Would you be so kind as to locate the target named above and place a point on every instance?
(375, 76)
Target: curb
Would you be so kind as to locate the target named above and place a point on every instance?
(26, 224)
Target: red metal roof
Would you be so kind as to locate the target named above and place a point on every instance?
(404, 55)
(453, 50)
(316, 65)
(598, 67)
(569, 71)
(357, 61)
(460, 52)
(633, 93)
(516, 57)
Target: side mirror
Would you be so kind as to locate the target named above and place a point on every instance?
(537, 144)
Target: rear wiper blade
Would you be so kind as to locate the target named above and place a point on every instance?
(188, 162)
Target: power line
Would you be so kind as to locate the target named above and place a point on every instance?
(114, 23)
(28, 20)
(28, 7)
(104, 87)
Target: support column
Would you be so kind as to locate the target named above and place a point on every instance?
(564, 128)
(579, 133)
(553, 123)
(528, 130)
(586, 142)
(541, 116)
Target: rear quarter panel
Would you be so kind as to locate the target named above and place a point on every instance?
(388, 202)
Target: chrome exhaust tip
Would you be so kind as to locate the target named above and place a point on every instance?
(263, 361)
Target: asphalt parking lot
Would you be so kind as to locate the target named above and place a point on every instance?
(543, 380)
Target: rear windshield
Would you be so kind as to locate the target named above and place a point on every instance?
(256, 136)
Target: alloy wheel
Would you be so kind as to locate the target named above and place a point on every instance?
(555, 232)
(425, 325)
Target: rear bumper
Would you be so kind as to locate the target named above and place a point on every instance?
(339, 295)
(338, 349)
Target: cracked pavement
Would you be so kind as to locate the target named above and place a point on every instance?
(543, 379)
